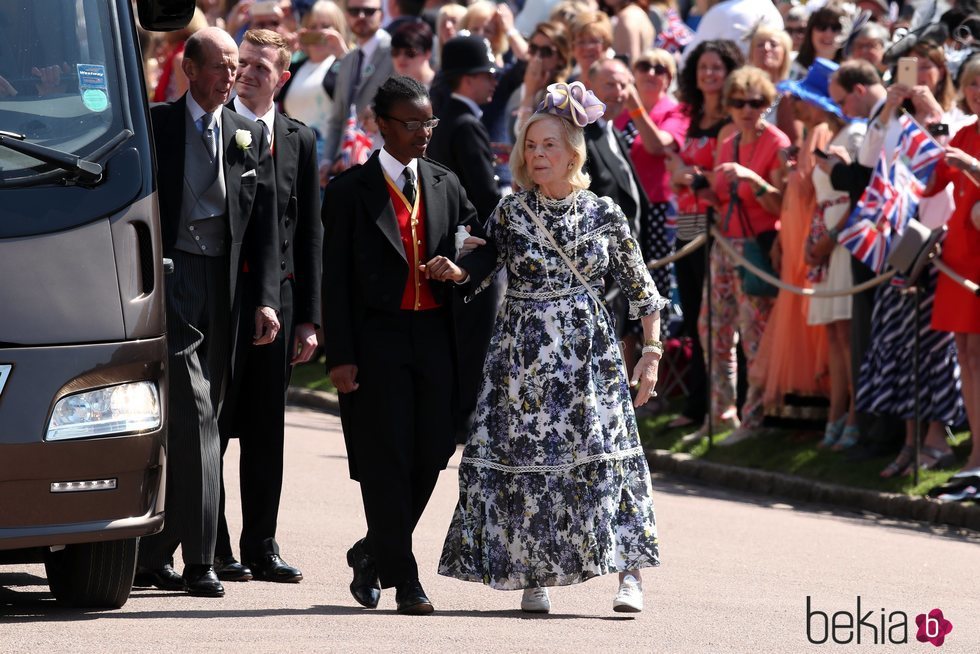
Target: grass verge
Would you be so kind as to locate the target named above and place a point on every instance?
(312, 375)
(795, 453)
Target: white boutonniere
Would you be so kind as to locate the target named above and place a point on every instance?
(243, 139)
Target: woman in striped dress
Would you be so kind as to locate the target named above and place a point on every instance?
(887, 381)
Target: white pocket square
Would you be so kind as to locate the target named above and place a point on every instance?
(249, 173)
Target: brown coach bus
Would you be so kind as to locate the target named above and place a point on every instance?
(82, 343)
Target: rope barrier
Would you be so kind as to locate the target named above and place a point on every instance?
(775, 281)
(956, 277)
(680, 254)
(726, 244)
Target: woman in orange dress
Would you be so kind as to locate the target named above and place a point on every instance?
(792, 356)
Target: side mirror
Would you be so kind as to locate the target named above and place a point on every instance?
(164, 15)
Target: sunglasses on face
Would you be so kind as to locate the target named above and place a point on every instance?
(415, 125)
(823, 27)
(363, 12)
(411, 53)
(543, 51)
(795, 31)
(645, 67)
(740, 103)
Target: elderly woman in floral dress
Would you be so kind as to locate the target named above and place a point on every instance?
(554, 485)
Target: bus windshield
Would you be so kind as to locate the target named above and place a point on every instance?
(60, 83)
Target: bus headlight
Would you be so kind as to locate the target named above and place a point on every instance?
(122, 409)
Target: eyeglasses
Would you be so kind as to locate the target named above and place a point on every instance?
(645, 67)
(795, 31)
(411, 53)
(823, 27)
(543, 51)
(740, 103)
(416, 125)
(363, 12)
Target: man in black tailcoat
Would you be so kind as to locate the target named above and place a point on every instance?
(388, 276)
(255, 412)
(461, 143)
(217, 211)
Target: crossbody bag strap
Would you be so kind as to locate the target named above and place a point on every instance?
(581, 278)
(736, 202)
(561, 252)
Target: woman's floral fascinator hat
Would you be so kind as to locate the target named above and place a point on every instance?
(573, 102)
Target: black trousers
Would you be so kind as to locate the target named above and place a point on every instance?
(257, 417)
(399, 428)
(198, 333)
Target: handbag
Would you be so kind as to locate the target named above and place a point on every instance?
(581, 278)
(755, 249)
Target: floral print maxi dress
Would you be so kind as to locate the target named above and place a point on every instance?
(554, 485)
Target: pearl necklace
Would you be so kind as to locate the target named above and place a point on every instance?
(547, 203)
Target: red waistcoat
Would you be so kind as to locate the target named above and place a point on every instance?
(417, 295)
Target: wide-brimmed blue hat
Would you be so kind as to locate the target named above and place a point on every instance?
(814, 88)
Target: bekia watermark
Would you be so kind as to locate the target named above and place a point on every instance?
(873, 626)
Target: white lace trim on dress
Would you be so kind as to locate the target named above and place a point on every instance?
(605, 456)
(546, 295)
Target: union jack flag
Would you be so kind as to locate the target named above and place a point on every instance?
(917, 150)
(869, 228)
(356, 146)
(675, 34)
(892, 196)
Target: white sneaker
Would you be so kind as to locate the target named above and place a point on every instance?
(629, 599)
(535, 600)
(737, 436)
(723, 424)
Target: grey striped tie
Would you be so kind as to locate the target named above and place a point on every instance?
(207, 133)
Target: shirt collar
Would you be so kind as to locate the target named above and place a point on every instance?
(473, 107)
(395, 168)
(267, 118)
(196, 111)
(370, 46)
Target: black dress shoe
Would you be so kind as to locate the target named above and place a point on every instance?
(272, 568)
(411, 599)
(201, 581)
(165, 578)
(228, 569)
(365, 588)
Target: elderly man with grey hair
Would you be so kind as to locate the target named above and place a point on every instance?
(870, 44)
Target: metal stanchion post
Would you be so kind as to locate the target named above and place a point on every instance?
(916, 344)
(710, 221)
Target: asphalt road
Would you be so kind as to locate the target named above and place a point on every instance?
(736, 576)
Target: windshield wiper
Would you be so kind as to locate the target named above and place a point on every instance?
(89, 172)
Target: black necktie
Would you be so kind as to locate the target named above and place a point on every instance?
(265, 133)
(355, 79)
(409, 188)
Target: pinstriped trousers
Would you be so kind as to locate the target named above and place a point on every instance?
(198, 345)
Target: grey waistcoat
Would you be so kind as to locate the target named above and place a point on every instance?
(203, 228)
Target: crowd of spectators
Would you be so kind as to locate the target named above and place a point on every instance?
(768, 115)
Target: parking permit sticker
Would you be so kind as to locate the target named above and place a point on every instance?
(92, 87)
